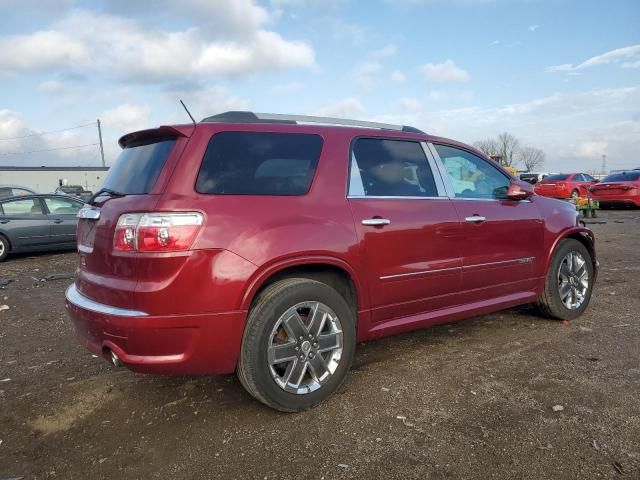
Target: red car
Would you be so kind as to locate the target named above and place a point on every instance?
(268, 245)
(565, 185)
(618, 189)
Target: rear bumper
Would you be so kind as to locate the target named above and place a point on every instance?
(617, 200)
(168, 345)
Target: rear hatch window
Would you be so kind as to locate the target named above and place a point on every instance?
(557, 177)
(259, 163)
(622, 177)
(138, 166)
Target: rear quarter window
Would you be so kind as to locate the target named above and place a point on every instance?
(259, 163)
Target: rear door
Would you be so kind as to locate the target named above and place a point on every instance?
(25, 223)
(408, 229)
(503, 239)
(62, 218)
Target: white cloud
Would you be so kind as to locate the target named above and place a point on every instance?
(572, 128)
(410, 103)
(365, 73)
(446, 71)
(386, 51)
(591, 149)
(397, 76)
(23, 145)
(435, 96)
(42, 50)
(495, 42)
(345, 108)
(533, 28)
(628, 56)
(52, 87)
(126, 117)
(127, 49)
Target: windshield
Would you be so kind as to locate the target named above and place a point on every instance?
(623, 177)
(138, 166)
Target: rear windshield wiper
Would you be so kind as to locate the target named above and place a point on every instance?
(103, 191)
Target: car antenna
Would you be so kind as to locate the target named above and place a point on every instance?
(188, 113)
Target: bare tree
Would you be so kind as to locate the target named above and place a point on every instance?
(489, 147)
(508, 147)
(531, 157)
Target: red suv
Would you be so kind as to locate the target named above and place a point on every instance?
(565, 185)
(268, 245)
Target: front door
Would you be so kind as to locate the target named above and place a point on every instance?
(408, 229)
(503, 244)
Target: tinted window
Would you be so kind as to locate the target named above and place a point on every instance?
(557, 176)
(472, 176)
(390, 168)
(623, 177)
(28, 206)
(259, 163)
(578, 177)
(62, 206)
(138, 166)
(588, 178)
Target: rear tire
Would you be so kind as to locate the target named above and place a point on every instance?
(575, 194)
(316, 355)
(569, 282)
(4, 248)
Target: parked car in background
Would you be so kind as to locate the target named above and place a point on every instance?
(533, 177)
(565, 185)
(255, 244)
(38, 222)
(618, 189)
(15, 191)
(75, 191)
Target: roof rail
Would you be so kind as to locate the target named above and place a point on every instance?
(251, 117)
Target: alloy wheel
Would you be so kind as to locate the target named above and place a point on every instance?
(573, 280)
(305, 347)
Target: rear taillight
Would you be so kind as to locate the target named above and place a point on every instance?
(156, 232)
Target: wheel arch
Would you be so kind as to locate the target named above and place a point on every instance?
(582, 235)
(333, 271)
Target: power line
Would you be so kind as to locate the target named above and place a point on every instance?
(49, 149)
(48, 132)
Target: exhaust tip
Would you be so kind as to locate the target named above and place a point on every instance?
(115, 360)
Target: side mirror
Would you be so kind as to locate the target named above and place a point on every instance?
(519, 190)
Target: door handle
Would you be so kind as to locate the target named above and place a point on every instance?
(376, 222)
(58, 220)
(475, 219)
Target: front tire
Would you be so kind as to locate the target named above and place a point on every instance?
(298, 344)
(569, 282)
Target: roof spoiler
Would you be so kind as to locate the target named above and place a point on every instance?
(151, 133)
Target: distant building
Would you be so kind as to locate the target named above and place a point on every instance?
(47, 179)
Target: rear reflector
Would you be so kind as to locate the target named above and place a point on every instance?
(156, 232)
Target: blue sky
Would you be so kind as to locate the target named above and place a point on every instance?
(563, 76)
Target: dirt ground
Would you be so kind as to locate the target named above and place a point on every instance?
(468, 400)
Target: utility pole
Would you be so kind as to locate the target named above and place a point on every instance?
(101, 147)
(604, 164)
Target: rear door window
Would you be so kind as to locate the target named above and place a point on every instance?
(138, 166)
(259, 163)
(62, 206)
(390, 168)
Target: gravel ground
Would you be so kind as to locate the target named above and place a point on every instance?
(508, 395)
